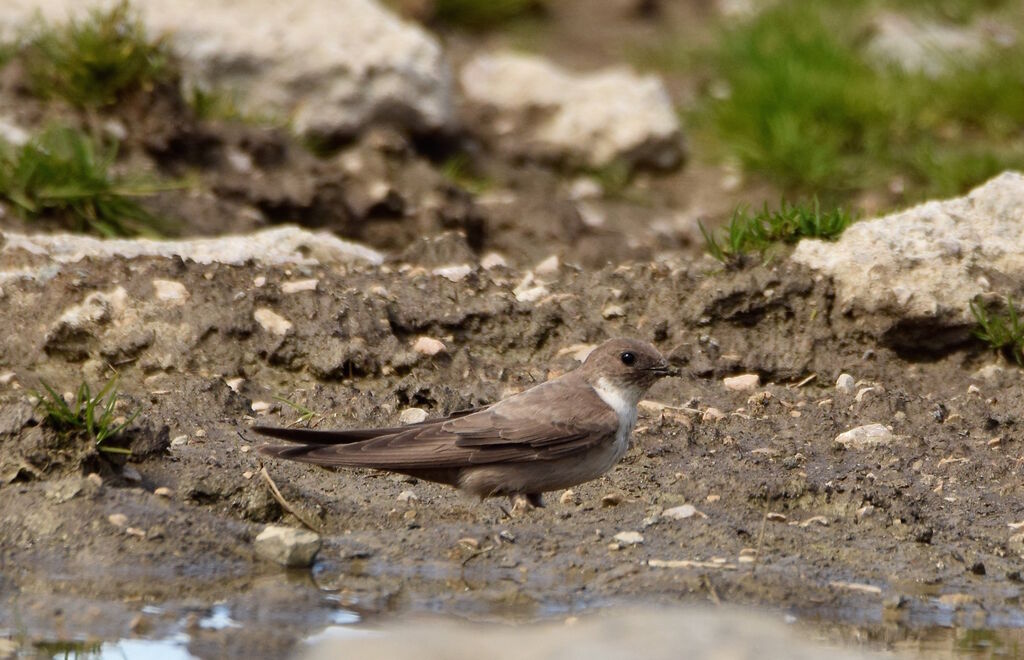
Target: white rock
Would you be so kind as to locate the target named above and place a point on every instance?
(712, 415)
(584, 187)
(527, 291)
(408, 496)
(118, 519)
(281, 245)
(333, 66)
(921, 46)
(629, 538)
(272, 322)
(493, 260)
(428, 346)
(234, 383)
(680, 512)
(179, 441)
(613, 312)
(259, 281)
(742, 383)
(296, 286)
(12, 133)
(593, 119)
(845, 384)
(287, 546)
(454, 273)
(260, 406)
(7, 377)
(170, 291)
(548, 266)
(412, 416)
(919, 265)
(866, 437)
(990, 373)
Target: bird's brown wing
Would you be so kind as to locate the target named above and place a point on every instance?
(549, 421)
(318, 437)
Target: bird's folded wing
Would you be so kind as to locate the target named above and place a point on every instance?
(543, 423)
(317, 437)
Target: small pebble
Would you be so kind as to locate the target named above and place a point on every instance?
(259, 281)
(261, 406)
(611, 499)
(428, 346)
(776, 517)
(973, 389)
(7, 377)
(493, 260)
(845, 384)
(170, 291)
(680, 512)
(865, 437)
(455, 273)
(412, 416)
(742, 383)
(235, 384)
(162, 491)
(712, 415)
(272, 322)
(131, 474)
(568, 497)
(408, 496)
(613, 312)
(549, 266)
(118, 519)
(299, 285)
(179, 441)
(629, 538)
(287, 546)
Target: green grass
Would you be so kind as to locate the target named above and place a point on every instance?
(94, 62)
(306, 415)
(64, 174)
(483, 14)
(791, 95)
(459, 170)
(87, 416)
(1002, 330)
(758, 231)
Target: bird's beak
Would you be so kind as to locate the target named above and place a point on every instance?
(663, 368)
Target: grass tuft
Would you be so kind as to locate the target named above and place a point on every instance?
(94, 62)
(64, 173)
(758, 231)
(87, 416)
(1003, 331)
(793, 95)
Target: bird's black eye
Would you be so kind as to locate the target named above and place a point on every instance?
(628, 358)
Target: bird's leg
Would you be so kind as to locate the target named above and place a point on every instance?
(525, 502)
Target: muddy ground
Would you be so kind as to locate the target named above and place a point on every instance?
(892, 540)
(880, 547)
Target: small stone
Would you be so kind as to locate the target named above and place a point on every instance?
(162, 491)
(710, 499)
(7, 378)
(429, 346)
(865, 511)
(454, 273)
(299, 285)
(131, 474)
(549, 266)
(712, 415)
(1016, 543)
(261, 407)
(568, 497)
(611, 499)
(629, 538)
(493, 260)
(990, 373)
(469, 543)
(412, 416)
(179, 441)
(680, 512)
(170, 291)
(973, 389)
(865, 437)
(235, 384)
(584, 188)
(259, 281)
(118, 519)
(863, 392)
(530, 294)
(742, 383)
(613, 312)
(408, 496)
(272, 322)
(776, 517)
(287, 546)
(95, 479)
(845, 384)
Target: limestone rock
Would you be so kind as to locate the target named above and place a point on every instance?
(542, 111)
(921, 267)
(287, 546)
(333, 66)
(866, 437)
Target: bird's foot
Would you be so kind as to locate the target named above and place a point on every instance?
(522, 502)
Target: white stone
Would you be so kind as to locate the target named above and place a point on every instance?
(7, 377)
(179, 441)
(261, 406)
(412, 416)
(272, 322)
(712, 415)
(428, 346)
(170, 291)
(613, 312)
(408, 496)
(548, 266)
(680, 512)
(454, 273)
(845, 384)
(917, 45)
(493, 260)
(234, 383)
(742, 383)
(287, 546)
(527, 291)
(866, 437)
(12, 133)
(629, 538)
(281, 245)
(593, 119)
(921, 264)
(332, 66)
(299, 285)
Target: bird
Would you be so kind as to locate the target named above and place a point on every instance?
(552, 436)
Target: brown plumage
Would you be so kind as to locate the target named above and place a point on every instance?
(551, 436)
